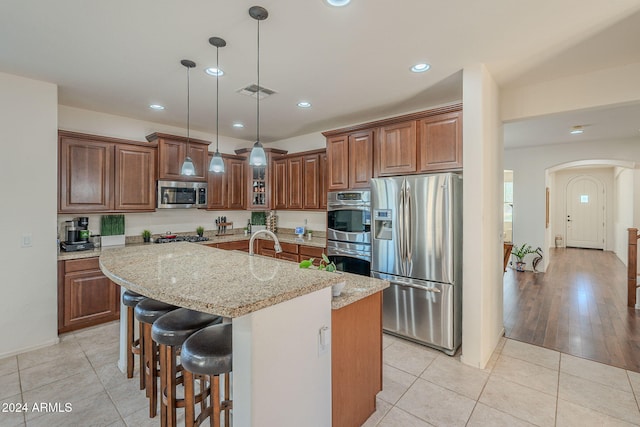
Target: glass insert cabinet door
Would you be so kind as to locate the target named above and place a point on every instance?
(258, 194)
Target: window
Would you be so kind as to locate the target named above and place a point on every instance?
(584, 198)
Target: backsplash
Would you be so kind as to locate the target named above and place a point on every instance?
(187, 220)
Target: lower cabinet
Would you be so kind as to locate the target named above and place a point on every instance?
(267, 248)
(238, 245)
(356, 360)
(86, 297)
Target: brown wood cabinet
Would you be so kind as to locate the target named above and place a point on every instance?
(226, 190)
(299, 181)
(173, 149)
(311, 180)
(322, 181)
(102, 174)
(238, 245)
(295, 181)
(350, 161)
(356, 360)
(422, 142)
(135, 182)
(308, 252)
(280, 190)
(289, 250)
(395, 152)
(440, 142)
(259, 180)
(85, 296)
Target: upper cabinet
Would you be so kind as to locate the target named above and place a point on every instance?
(350, 160)
(226, 190)
(172, 150)
(395, 152)
(423, 142)
(298, 181)
(101, 174)
(259, 179)
(440, 142)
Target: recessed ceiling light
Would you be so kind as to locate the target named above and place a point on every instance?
(576, 130)
(156, 107)
(238, 125)
(420, 68)
(338, 3)
(304, 104)
(213, 71)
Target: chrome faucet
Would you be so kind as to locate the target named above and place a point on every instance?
(276, 244)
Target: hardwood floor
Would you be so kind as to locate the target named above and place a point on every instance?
(577, 307)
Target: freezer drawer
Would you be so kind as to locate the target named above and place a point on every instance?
(422, 313)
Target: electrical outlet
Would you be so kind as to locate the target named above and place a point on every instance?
(26, 240)
(324, 340)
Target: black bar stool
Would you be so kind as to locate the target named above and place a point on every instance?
(169, 332)
(130, 299)
(147, 312)
(208, 352)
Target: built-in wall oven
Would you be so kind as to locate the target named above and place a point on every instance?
(349, 230)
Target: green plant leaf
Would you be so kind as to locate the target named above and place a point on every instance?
(331, 267)
(325, 258)
(306, 263)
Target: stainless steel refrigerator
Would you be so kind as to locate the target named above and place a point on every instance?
(416, 244)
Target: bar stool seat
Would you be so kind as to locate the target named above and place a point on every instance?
(130, 299)
(147, 312)
(169, 332)
(208, 352)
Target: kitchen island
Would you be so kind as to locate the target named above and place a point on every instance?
(281, 315)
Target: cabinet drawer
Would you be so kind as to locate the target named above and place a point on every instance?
(287, 256)
(311, 251)
(291, 248)
(73, 265)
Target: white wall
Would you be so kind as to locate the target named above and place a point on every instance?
(529, 164)
(482, 323)
(28, 131)
(559, 195)
(623, 184)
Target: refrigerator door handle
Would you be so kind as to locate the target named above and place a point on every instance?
(401, 227)
(407, 213)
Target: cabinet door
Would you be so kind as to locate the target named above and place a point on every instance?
(360, 159)
(294, 176)
(322, 182)
(311, 177)
(396, 149)
(88, 297)
(216, 187)
(287, 256)
(199, 153)
(235, 184)
(338, 163)
(280, 187)
(440, 142)
(257, 187)
(171, 154)
(135, 178)
(85, 176)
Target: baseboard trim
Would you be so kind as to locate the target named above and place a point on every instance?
(31, 348)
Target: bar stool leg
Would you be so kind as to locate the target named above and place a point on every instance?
(227, 399)
(142, 359)
(163, 384)
(189, 403)
(170, 384)
(130, 340)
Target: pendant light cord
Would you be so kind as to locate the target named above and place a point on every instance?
(258, 91)
(217, 94)
(188, 106)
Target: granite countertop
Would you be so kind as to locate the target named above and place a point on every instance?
(319, 242)
(226, 283)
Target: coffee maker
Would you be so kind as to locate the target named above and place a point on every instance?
(77, 235)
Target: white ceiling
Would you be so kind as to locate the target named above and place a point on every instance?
(351, 63)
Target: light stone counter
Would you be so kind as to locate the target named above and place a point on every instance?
(357, 287)
(226, 283)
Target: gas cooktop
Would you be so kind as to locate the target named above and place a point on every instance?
(191, 239)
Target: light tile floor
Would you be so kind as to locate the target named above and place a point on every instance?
(523, 385)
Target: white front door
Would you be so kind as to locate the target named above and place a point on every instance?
(585, 213)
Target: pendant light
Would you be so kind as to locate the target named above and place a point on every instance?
(258, 156)
(217, 163)
(188, 168)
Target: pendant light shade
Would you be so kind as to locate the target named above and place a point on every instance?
(188, 168)
(258, 157)
(217, 162)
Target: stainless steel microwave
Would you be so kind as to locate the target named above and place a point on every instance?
(184, 195)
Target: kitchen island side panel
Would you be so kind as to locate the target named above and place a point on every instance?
(281, 375)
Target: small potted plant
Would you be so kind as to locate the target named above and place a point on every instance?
(326, 265)
(200, 231)
(520, 253)
(146, 236)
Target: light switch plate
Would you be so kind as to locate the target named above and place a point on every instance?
(26, 240)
